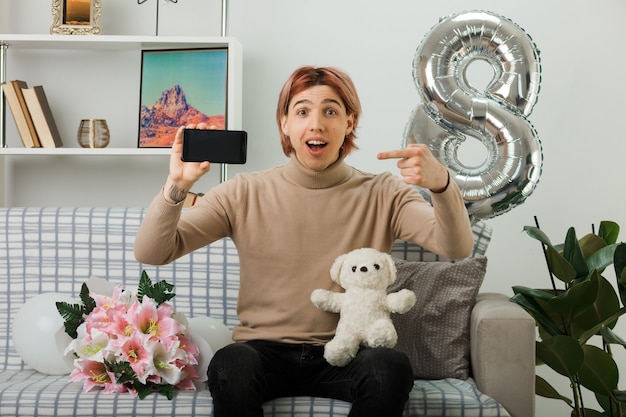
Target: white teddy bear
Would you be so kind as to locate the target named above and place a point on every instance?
(365, 306)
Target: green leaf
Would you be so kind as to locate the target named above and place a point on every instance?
(619, 263)
(594, 330)
(608, 231)
(167, 390)
(559, 266)
(88, 302)
(528, 303)
(610, 405)
(602, 258)
(574, 255)
(544, 389)
(144, 285)
(160, 292)
(536, 293)
(561, 353)
(72, 315)
(123, 372)
(537, 234)
(604, 306)
(606, 303)
(610, 337)
(599, 372)
(143, 390)
(576, 299)
(590, 244)
(69, 311)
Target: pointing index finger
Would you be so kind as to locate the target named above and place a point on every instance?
(395, 154)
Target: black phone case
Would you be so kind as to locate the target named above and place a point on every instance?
(215, 146)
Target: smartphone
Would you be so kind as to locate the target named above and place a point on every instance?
(217, 146)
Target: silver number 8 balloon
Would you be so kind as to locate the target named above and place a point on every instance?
(452, 109)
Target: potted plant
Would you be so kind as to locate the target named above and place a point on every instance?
(576, 317)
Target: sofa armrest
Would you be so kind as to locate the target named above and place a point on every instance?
(502, 338)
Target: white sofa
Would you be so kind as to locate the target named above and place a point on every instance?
(57, 249)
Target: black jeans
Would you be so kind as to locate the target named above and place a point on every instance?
(244, 375)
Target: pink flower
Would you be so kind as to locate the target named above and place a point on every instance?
(109, 314)
(153, 321)
(190, 376)
(190, 349)
(133, 350)
(94, 373)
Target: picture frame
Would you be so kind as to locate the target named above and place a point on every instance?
(76, 17)
(179, 87)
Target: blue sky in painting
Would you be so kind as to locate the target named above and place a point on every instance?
(200, 73)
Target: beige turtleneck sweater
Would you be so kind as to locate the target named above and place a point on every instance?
(289, 224)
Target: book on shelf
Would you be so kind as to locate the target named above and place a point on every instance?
(47, 131)
(21, 114)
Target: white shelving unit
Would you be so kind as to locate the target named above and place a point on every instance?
(130, 44)
(87, 76)
(84, 151)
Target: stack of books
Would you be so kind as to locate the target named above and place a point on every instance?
(33, 117)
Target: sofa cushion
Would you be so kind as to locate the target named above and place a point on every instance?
(435, 333)
(451, 397)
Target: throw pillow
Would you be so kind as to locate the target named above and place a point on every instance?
(435, 333)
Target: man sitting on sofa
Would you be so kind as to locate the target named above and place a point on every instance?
(289, 224)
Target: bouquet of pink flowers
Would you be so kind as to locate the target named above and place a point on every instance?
(130, 343)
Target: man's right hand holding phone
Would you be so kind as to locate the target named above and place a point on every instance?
(183, 175)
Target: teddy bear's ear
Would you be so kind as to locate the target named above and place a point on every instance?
(335, 269)
(391, 268)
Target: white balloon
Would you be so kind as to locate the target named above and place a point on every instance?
(34, 333)
(216, 334)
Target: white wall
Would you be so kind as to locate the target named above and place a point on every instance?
(578, 115)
